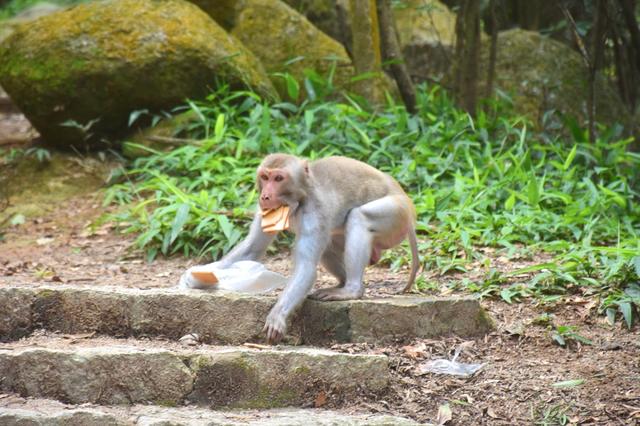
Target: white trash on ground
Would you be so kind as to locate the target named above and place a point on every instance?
(245, 276)
(454, 368)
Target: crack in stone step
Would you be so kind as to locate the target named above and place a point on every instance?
(231, 318)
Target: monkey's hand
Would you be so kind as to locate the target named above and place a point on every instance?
(276, 326)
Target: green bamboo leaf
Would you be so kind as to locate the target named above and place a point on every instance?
(182, 215)
(293, 87)
(636, 265)
(506, 295)
(570, 157)
(568, 383)
(218, 131)
(225, 225)
(627, 312)
(511, 201)
(534, 268)
(533, 191)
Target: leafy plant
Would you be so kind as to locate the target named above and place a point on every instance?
(551, 415)
(563, 335)
(13, 7)
(488, 182)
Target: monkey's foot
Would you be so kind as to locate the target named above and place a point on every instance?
(336, 293)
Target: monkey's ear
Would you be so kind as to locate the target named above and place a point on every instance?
(305, 165)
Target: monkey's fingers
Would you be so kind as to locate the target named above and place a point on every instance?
(274, 336)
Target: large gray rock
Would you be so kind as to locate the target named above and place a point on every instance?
(102, 60)
(235, 318)
(35, 417)
(36, 11)
(100, 375)
(16, 308)
(543, 74)
(285, 41)
(230, 377)
(16, 411)
(426, 31)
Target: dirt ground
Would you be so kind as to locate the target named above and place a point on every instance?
(520, 382)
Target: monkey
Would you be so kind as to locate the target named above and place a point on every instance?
(343, 212)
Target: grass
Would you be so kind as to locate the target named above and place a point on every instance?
(13, 7)
(483, 182)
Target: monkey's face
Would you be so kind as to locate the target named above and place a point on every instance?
(273, 185)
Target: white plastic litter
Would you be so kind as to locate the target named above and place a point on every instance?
(454, 368)
(244, 276)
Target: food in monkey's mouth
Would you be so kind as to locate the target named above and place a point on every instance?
(275, 220)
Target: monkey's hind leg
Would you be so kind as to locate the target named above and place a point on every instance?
(333, 261)
(357, 253)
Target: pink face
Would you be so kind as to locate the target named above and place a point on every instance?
(272, 184)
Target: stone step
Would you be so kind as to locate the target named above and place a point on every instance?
(231, 318)
(109, 371)
(16, 411)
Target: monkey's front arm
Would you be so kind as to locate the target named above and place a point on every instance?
(252, 247)
(310, 244)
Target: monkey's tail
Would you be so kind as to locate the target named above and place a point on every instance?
(415, 260)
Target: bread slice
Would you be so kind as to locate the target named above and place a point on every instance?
(275, 220)
(205, 277)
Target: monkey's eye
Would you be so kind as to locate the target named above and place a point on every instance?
(279, 178)
(264, 177)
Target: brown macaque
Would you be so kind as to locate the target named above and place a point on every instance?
(344, 214)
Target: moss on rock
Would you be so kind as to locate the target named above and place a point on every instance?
(330, 16)
(543, 74)
(35, 188)
(426, 29)
(285, 41)
(224, 12)
(105, 59)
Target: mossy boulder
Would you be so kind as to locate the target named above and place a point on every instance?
(330, 16)
(426, 29)
(285, 41)
(224, 12)
(35, 188)
(543, 74)
(36, 11)
(103, 60)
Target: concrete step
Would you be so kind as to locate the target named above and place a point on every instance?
(16, 411)
(111, 371)
(230, 318)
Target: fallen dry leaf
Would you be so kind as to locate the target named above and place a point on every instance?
(256, 346)
(444, 415)
(492, 413)
(44, 241)
(321, 399)
(416, 351)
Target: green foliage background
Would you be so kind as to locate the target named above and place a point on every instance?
(483, 182)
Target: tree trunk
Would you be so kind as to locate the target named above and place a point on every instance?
(391, 53)
(595, 62)
(467, 54)
(493, 50)
(366, 51)
(628, 12)
(528, 12)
